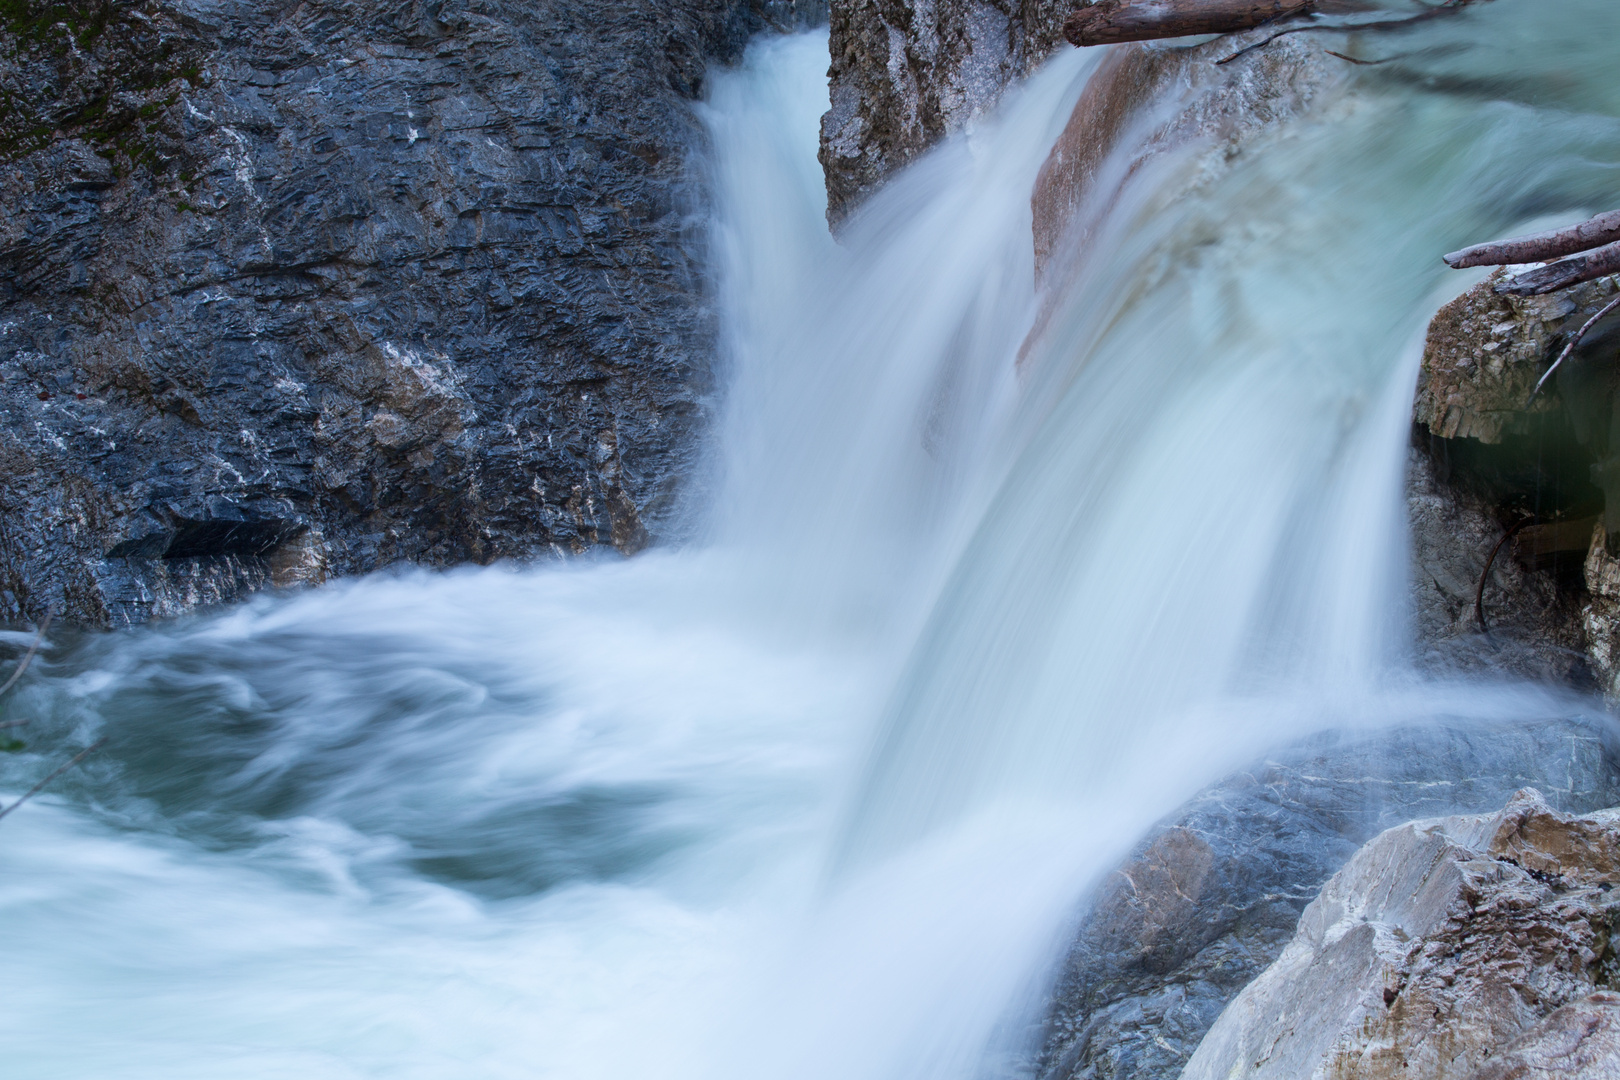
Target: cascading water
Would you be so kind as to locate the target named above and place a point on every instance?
(814, 797)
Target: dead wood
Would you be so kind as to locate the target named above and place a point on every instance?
(1445, 7)
(1561, 275)
(45, 624)
(1573, 342)
(1112, 21)
(1541, 247)
(39, 787)
(1485, 575)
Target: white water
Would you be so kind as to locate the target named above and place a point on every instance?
(813, 798)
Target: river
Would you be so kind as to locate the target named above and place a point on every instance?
(813, 794)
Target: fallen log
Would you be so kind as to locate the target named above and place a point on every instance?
(1541, 247)
(1561, 275)
(1111, 21)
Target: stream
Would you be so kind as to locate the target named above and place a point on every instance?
(964, 611)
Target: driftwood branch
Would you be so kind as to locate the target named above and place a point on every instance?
(1445, 7)
(1573, 342)
(1485, 575)
(39, 787)
(1112, 21)
(1541, 247)
(45, 624)
(1561, 275)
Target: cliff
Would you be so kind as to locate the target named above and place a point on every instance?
(907, 73)
(298, 289)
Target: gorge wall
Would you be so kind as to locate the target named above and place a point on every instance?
(907, 73)
(298, 289)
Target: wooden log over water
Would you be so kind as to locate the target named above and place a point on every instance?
(1561, 275)
(1111, 21)
(1541, 247)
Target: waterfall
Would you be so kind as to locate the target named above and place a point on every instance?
(815, 795)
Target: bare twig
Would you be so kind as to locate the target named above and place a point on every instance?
(1479, 594)
(39, 787)
(1363, 63)
(15, 723)
(1573, 342)
(1541, 247)
(1434, 12)
(1561, 275)
(45, 624)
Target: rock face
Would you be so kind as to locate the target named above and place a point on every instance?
(1532, 601)
(1581, 1041)
(1484, 354)
(1538, 484)
(1435, 949)
(289, 289)
(1213, 896)
(906, 73)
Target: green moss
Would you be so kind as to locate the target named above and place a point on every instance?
(93, 54)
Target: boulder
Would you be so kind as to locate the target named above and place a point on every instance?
(1148, 98)
(1441, 945)
(1212, 896)
(1484, 353)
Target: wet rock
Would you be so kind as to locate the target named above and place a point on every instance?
(1484, 354)
(1435, 948)
(1532, 607)
(1153, 97)
(1211, 898)
(1490, 462)
(419, 282)
(907, 73)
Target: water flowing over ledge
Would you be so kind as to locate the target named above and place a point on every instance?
(822, 791)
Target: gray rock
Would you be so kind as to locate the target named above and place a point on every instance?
(1486, 465)
(907, 73)
(1581, 1041)
(394, 282)
(1533, 617)
(1436, 947)
(1211, 898)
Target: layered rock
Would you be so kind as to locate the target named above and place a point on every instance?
(907, 73)
(297, 289)
(1212, 897)
(1442, 945)
(1532, 480)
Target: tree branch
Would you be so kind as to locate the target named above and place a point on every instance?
(1573, 342)
(39, 787)
(1446, 7)
(1112, 21)
(44, 625)
(1541, 247)
(1561, 275)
